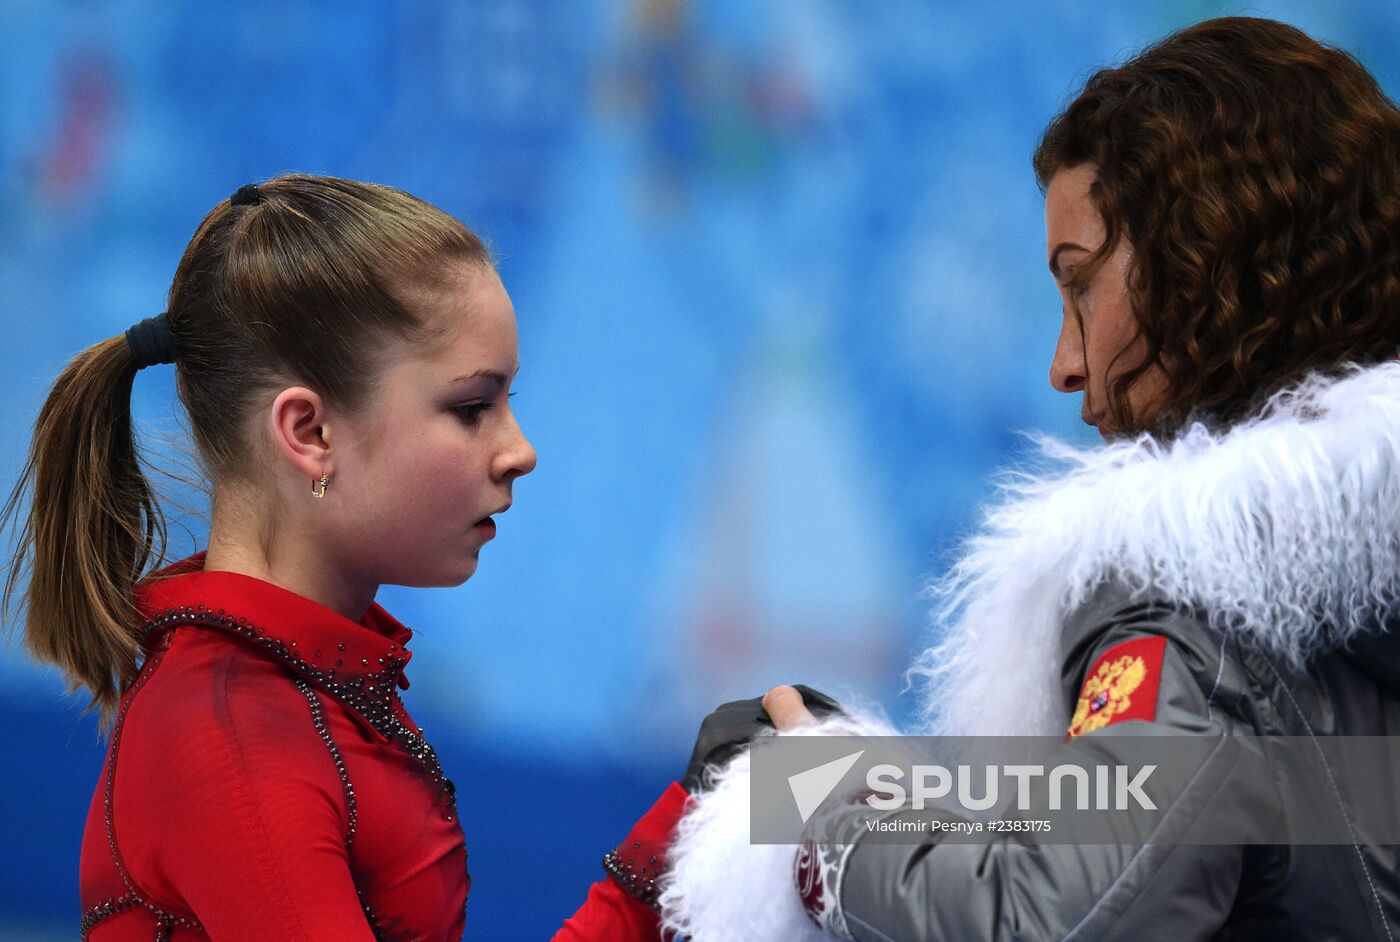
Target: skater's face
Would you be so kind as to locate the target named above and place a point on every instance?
(1098, 335)
(415, 474)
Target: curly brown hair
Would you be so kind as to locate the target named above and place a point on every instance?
(1256, 174)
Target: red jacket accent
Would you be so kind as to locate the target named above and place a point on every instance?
(264, 781)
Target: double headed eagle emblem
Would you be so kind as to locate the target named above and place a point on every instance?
(1107, 693)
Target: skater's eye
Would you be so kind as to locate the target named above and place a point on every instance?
(471, 413)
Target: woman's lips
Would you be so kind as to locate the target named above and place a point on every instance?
(486, 528)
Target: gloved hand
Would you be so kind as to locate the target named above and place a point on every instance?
(729, 728)
(640, 862)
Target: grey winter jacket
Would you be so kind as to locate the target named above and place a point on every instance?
(1210, 685)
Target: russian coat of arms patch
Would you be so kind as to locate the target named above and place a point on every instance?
(1122, 685)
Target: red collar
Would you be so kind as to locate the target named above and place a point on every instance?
(359, 661)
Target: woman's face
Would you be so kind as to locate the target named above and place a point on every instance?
(437, 449)
(1098, 324)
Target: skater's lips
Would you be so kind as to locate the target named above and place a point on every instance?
(499, 510)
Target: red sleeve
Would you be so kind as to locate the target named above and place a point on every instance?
(612, 913)
(242, 786)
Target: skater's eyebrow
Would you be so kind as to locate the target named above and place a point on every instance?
(495, 376)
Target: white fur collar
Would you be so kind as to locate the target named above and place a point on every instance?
(1292, 513)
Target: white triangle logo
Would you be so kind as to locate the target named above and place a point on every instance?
(810, 788)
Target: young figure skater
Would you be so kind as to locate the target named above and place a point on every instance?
(345, 353)
(1223, 222)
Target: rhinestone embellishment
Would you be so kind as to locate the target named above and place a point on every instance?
(318, 720)
(639, 881)
(372, 695)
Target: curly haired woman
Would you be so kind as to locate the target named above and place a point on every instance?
(1223, 222)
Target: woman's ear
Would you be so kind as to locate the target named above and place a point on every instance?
(301, 430)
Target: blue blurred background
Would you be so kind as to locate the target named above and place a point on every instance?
(779, 269)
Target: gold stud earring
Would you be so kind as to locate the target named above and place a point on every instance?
(325, 476)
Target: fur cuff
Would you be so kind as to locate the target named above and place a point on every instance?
(722, 888)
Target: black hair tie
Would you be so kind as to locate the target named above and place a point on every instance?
(247, 195)
(151, 341)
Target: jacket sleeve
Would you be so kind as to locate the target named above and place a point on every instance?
(245, 791)
(617, 914)
(1136, 889)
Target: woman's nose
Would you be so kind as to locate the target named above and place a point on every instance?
(527, 460)
(1067, 369)
(518, 457)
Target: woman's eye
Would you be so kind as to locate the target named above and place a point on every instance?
(1077, 292)
(470, 414)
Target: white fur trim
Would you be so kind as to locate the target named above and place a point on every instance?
(1276, 526)
(723, 888)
